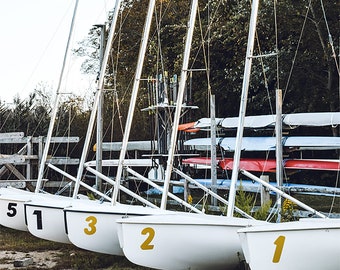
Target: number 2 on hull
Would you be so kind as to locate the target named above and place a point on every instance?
(150, 232)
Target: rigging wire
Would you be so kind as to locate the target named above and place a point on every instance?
(206, 65)
(159, 49)
(296, 51)
(336, 186)
(264, 72)
(337, 67)
(115, 99)
(330, 39)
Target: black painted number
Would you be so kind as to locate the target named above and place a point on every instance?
(12, 211)
(39, 219)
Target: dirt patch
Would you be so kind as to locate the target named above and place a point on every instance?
(41, 260)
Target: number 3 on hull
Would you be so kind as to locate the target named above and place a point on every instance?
(92, 220)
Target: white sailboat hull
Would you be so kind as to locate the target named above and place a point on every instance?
(306, 244)
(45, 217)
(92, 226)
(12, 213)
(183, 241)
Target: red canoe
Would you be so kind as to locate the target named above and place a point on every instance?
(269, 165)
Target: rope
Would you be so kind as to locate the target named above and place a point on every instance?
(330, 40)
(296, 51)
(276, 47)
(336, 185)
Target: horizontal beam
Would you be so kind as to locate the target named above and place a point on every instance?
(132, 146)
(24, 140)
(11, 135)
(127, 162)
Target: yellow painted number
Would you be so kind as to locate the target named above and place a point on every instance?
(146, 245)
(92, 225)
(279, 242)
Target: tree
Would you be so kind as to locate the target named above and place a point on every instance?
(306, 58)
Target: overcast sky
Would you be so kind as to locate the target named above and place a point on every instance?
(33, 41)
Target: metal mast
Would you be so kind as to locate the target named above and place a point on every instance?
(243, 106)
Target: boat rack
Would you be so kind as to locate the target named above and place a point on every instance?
(28, 158)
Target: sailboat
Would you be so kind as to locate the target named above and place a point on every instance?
(40, 213)
(187, 241)
(45, 217)
(309, 243)
(93, 226)
(12, 214)
(12, 201)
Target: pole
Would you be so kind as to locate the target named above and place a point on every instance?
(179, 102)
(243, 106)
(55, 106)
(99, 148)
(129, 119)
(213, 148)
(96, 99)
(279, 164)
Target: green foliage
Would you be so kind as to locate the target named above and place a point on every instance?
(245, 202)
(91, 196)
(262, 212)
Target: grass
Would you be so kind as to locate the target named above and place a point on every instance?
(69, 256)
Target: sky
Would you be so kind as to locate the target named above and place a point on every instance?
(33, 40)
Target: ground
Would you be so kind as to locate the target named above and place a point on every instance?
(41, 260)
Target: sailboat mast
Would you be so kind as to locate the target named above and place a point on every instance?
(279, 164)
(99, 142)
(96, 99)
(213, 147)
(55, 106)
(129, 119)
(180, 97)
(243, 106)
